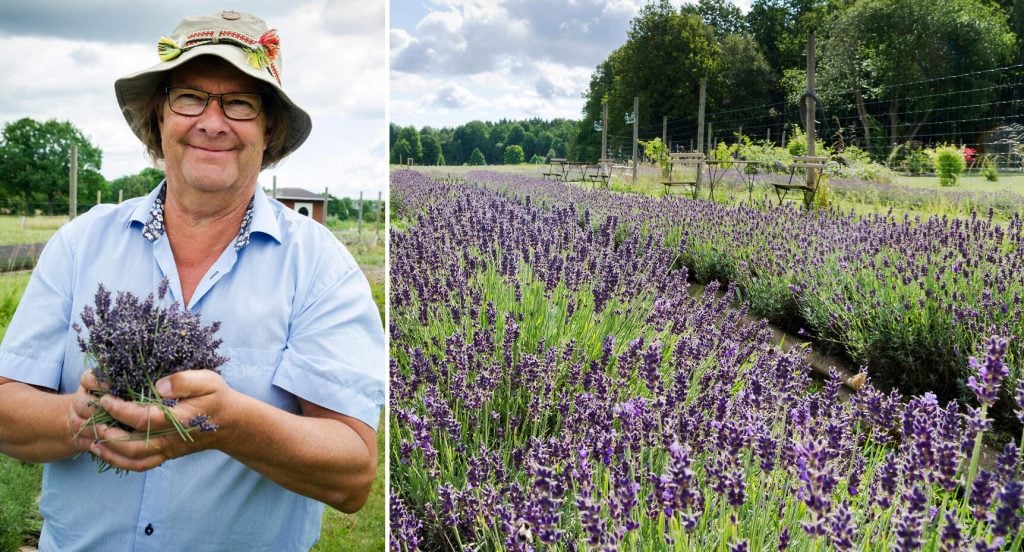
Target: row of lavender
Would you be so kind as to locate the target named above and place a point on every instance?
(555, 386)
(905, 297)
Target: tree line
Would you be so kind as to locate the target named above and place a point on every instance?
(885, 68)
(889, 73)
(35, 161)
(483, 143)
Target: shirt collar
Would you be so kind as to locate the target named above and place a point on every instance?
(258, 217)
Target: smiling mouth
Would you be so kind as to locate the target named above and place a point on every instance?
(210, 150)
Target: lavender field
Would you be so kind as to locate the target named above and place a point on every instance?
(556, 386)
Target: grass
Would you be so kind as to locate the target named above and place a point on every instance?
(11, 287)
(363, 530)
(20, 482)
(19, 512)
(16, 230)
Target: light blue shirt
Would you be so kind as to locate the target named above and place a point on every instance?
(297, 320)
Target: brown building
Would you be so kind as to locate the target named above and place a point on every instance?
(304, 202)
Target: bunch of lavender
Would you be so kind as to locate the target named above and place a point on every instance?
(132, 343)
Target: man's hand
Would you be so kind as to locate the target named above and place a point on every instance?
(198, 392)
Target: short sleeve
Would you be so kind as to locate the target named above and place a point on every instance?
(335, 352)
(34, 346)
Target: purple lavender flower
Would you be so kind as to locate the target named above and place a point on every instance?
(203, 423)
(784, 539)
(990, 374)
(405, 526)
(982, 493)
(1011, 500)
(1006, 463)
(136, 342)
(982, 545)
(841, 530)
(1019, 400)
(952, 533)
(910, 523)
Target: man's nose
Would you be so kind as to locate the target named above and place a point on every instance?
(212, 119)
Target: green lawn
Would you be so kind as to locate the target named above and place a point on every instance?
(16, 230)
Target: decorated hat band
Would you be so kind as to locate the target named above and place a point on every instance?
(260, 52)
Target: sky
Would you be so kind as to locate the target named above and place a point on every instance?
(61, 58)
(453, 61)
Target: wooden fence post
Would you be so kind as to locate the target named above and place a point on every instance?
(73, 184)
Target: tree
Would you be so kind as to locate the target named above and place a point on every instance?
(401, 152)
(516, 135)
(472, 135)
(477, 158)
(514, 155)
(495, 151)
(745, 71)
(665, 56)
(412, 137)
(722, 15)
(341, 207)
(136, 185)
(35, 161)
(898, 70)
(393, 134)
(432, 154)
(543, 142)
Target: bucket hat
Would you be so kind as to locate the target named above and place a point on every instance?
(241, 39)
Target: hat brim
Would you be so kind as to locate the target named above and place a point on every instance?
(138, 88)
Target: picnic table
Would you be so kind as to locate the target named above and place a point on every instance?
(716, 169)
(574, 167)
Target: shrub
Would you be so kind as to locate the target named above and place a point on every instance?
(477, 157)
(514, 155)
(949, 164)
(860, 165)
(723, 152)
(910, 158)
(658, 151)
(764, 152)
(797, 144)
(989, 168)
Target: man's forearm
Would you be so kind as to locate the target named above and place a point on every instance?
(320, 457)
(33, 423)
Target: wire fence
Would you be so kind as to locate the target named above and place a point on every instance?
(983, 110)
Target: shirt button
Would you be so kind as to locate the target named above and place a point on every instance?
(149, 529)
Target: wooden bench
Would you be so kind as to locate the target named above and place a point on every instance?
(556, 169)
(801, 164)
(689, 159)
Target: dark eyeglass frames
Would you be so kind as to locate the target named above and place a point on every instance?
(192, 102)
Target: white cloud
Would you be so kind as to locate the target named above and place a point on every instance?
(453, 96)
(510, 58)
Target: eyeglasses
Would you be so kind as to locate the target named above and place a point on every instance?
(192, 102)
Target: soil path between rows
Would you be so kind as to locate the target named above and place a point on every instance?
(17, 257)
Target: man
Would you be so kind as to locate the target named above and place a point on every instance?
(298, 401)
